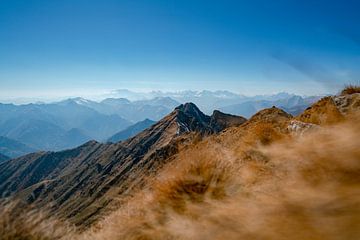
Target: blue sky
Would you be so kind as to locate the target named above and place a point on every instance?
(83, 47)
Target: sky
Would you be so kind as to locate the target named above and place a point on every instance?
(58, 48)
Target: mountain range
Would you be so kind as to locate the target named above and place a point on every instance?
(184, 162)
(211, 100)
(81, 182)
(72, 122)
(13, 149)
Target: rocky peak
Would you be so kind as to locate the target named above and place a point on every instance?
(219, 121)
(192, 110)
(190, 118)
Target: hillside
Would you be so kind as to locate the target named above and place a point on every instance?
(81, 182)
(270, 178)
(131, 131)
(12, 148)
(3, 158)
(57, 126)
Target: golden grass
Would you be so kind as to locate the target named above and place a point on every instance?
(324, 112)
(307, 188)
(18, 224)
(350, 89)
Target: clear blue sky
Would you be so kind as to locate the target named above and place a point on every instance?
(259, 46)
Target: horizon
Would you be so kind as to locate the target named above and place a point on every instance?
(80, 48)
(116, 95)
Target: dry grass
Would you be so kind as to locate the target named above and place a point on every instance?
(324, 112)
(19, 224)
(350, 89)
(307, 188)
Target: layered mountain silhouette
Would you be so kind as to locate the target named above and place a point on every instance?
(292, 104)
(227, 101)
(134, 111)
(131, 131)
(70, 123)
(12, 148)
(81, 182)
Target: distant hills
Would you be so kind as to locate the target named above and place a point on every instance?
(212, 100)
(131, 131)
(292, 104)
(72, 122)
(12, 148)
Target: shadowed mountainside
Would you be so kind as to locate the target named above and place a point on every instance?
(131, 131)
(80, 182)
(3, 158)
(273, 177)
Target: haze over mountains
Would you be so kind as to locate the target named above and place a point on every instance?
(72, 122)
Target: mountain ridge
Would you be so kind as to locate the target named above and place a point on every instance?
(96, 172)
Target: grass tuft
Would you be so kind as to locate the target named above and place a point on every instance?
(350, 89)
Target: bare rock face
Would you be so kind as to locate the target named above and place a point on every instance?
(220, 121)
(347, 103)
(298, 128)
(332, 109)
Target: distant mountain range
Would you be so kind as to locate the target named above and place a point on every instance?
(292, 104)
(211, 100)
(72, 122)
(12, 148)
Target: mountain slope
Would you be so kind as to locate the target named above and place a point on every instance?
(39, 134)
(81, 182)
(12, 148)
(3, 158)
(131, 131)
(45, 126)
(274, 176)
(256, 181)
(79, 113)
(332, 109)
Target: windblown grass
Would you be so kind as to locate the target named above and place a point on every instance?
(350, 89)
(18, 224)
(306, 188)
